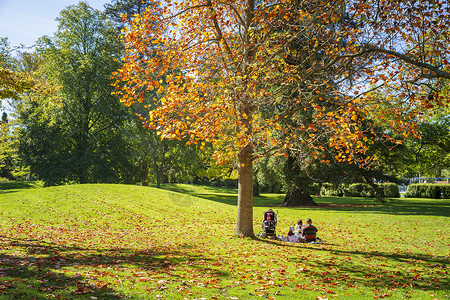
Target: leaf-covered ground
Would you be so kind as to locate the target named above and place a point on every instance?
(131, 242)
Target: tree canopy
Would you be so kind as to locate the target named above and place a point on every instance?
(13, 82)
(75, 134)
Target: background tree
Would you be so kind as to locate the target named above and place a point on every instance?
(6, 148)
(77, 134)
(158, 160)
(12, 81)
(117, 8)
(15, 81)
(161, 160)
(428, 154)
(239, 90)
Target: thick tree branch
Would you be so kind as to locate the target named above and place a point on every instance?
(438, 73)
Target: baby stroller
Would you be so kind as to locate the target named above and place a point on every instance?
(269, 225)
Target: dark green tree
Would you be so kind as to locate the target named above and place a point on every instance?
(77, 134)
(117, 8)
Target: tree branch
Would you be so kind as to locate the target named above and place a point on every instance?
(438, 73)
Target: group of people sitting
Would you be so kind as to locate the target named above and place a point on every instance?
(302, 233)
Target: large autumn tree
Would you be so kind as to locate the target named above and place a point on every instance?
(258, 78)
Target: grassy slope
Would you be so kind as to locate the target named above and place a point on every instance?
(112, 241)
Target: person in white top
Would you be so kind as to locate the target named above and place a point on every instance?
(299, 228)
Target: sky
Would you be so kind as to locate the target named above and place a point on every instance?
(24, 21)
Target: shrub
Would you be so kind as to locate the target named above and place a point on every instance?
(412, 191)
(330, 189)
(368, 191)
(432, 191)
(390, 190)
(384, 190)
(353, 190)
(445, 191)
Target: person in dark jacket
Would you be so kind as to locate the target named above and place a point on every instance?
(309, 231)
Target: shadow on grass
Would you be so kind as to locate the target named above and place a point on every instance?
(223, 195)
(14, 186)
(402, 206)
(378, 272)
(34, 273)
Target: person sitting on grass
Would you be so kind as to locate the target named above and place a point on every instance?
(291, 231)
(309, 231)
(299, 228)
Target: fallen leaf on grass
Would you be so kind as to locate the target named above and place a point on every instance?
(384, 295)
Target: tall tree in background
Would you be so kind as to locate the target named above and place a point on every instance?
(77, 134)
(240, 90)
(116, 10)
(6, 147)
(156, 159)
(427, 155)
(13, 82)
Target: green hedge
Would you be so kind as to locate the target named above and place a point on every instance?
(384, 190)
(431, 191)
(358, 190)
(330, 189)
(445, 191)
(390, 190)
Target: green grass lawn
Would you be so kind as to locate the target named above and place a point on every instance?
(129, 242)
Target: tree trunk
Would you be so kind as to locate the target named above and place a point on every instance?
(158, 174)
(144, 175)
(298, 197)
(244, 224)
(255, 189)
(158, 178)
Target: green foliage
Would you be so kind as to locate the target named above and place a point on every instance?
(76, 134)
(3, 180)
(431, 153)
(130, 8)
(445, 191)
(431, 191)
(161, 160)
(280, 174)
(6, 148)
(428, 154)
(384, 190)
(269, 174)
(390, 190)
(331, 189)
(358, 190)
(314, 188)
(11, 166)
